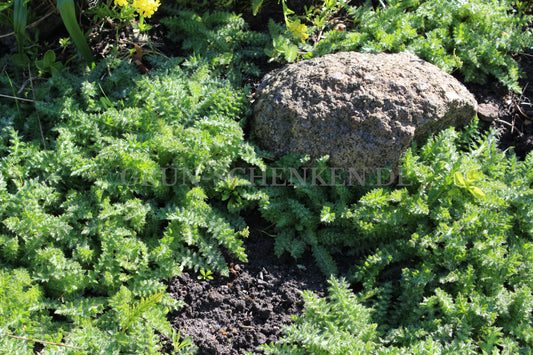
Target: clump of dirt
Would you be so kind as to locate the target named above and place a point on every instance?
(250, 307)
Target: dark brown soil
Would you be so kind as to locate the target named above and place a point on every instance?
(511, 114)
(238, 313)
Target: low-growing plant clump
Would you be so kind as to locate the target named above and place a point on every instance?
(442, 264)
(476, 37)
(220, 39)
(129, 191)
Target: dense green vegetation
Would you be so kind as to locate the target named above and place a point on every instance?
(128, 192)
(443, 264)
(475, 37)
(112, 181)
(220, 39)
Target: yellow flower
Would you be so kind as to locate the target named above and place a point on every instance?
(121, 2)
(146, 8)
(298, 30)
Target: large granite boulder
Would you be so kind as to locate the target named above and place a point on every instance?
(363, 110)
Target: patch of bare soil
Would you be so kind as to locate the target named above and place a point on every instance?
(510, 113)
(238, 313)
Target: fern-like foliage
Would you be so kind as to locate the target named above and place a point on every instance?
(221, 39)
(306, 206)
(130, 191)
(439, 256)
(22, 312)
(338, 324)
(476, 37)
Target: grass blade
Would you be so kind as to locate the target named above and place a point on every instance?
(68, 14)
(20, 18)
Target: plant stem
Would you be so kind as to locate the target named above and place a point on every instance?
(43, 342)
(16, 98)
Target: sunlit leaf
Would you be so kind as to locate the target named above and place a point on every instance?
(458, 180)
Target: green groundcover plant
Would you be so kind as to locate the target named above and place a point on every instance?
(221, 39)
(476, 37)
(132, 188)
(112, 182)
(443, 264)
(340, 324)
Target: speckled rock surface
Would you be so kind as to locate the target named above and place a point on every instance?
(363, 110)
